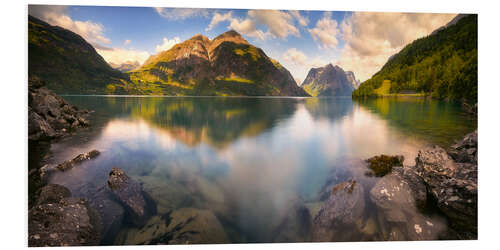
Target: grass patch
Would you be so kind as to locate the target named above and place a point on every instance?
(383, 164)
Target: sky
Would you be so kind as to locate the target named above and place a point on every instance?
(356, 41)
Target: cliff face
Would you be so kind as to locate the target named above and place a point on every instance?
(226, 65)
(66, 62)
(329, 81)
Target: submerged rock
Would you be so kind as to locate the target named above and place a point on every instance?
(383, 164)
(111, 212)
(59, 220)
(138, 204)
(48, 169)
(452, 184)
(397, 196)
(183, 226)
(295, 225)
(336, 220)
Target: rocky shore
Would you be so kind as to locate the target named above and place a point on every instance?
(440, 179)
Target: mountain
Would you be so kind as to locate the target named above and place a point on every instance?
(443, 65)
(329, 81)
(226, 65)
(126, 66)
(66, 62)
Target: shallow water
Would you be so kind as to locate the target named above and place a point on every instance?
(247, 160)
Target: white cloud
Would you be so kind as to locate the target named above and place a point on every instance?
(247, 27)
(295, 56)
(119, 56)
(57, 15)
(167, 44)
(218, 17)
(369, 42)
(278, 23)
(301, 20)
(326, 32)
(127, 42)
(181, 13)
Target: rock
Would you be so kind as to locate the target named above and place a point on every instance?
(336, 220)
(465, 151)
(111, 212)
(183, 226)
(396, 197)
(138, 204)
(77, 160)
(383, 164)
(53, 193)
(453, 185)
(49, 115)
(168, 194)
(68, 222)
(295, 225)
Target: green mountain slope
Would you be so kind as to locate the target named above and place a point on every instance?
(443, 64)
(225, 66)
(66, 62)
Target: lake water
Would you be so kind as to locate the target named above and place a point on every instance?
(247, 160)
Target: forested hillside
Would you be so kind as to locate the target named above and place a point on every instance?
(443, 65)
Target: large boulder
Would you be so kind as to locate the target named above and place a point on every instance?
(111, 212)
(183, 226)
(60, 220)
(465, 151)
(452, 184)
(337, 218)
(396, 197)
(138, 204)
(383, 164)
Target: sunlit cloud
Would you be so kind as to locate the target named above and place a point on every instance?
(119, 55)
(167, 44)
(295, 56)
(127, 42)
(369, 42)
(326, 31)
(58, 15)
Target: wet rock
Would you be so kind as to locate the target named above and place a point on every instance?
(53, 193)
(183, 226)
(68, 222)
(452, 184)
(49, 115)
(111, 212)
(295, 225)
(138, 204)
(383, 164)
(336, 220)
(77, 160)
(397, 196)
(465, 151)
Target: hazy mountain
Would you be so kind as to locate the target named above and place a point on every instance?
(329, 81)
(126, 66)
(66, 62)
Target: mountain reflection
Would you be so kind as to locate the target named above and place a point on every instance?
(434, 121)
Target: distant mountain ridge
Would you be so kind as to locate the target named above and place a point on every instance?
(443, 65)
(329, 80)
(226, 65)
(66, 62)
(126, 66)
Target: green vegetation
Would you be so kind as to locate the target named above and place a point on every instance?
(443, 65)
(66, 62)
(383, 164)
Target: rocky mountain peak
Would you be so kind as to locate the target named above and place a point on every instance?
(329, 80)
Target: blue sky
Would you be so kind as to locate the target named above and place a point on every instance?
(361, 41)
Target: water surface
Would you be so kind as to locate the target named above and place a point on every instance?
(248, 159)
